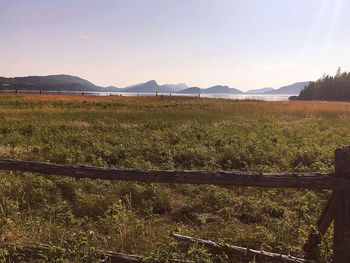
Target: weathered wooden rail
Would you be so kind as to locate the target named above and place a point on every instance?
(258, 254)
(337, 209)
(278, 180)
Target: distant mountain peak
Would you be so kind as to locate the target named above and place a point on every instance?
(177, 87)
(260, 91)
(50, 82)
(294, 88)
(153, 82)
(221, 89)
(191, 90)
(220, 86)
(73, 83)
(152, 86)
(218, 89)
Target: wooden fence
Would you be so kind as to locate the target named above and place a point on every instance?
(337, 209)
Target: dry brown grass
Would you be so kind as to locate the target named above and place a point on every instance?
(164, 133)
(77, 98)
(222, 104)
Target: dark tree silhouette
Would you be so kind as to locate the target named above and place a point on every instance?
(328, 88)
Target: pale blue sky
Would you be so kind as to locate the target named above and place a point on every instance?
(240, 43)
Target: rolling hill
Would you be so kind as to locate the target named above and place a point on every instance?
(289, 89)
(259, 91)
(192, 90)
(219, 89)
(152, 86)
(177, 87)
(51, 82)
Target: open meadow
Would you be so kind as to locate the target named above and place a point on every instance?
(171, 133)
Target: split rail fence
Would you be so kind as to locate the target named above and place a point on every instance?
(337, 209)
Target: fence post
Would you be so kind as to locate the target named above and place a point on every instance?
(341, 242)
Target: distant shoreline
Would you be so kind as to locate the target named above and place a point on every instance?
(242, 96)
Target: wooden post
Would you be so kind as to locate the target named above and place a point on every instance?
(311, 247)
(341, 242)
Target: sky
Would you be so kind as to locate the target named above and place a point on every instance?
(240, 43)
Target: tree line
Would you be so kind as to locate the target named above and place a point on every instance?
(328, 88)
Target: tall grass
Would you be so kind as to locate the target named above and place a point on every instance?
(164, 133)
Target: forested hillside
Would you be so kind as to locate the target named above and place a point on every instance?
(335, 88)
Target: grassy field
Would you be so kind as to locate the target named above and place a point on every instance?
(163, 133)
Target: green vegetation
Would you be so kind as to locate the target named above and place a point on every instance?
(163, 133)
(330, 88)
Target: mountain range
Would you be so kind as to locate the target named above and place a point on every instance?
(152, 86)
(219, 89)
(259, 91)
(72, 83)
(289, 89)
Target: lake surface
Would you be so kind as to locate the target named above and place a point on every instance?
(264, 97)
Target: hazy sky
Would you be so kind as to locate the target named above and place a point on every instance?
(240, 43)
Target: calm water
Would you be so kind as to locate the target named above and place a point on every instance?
(265, 97)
